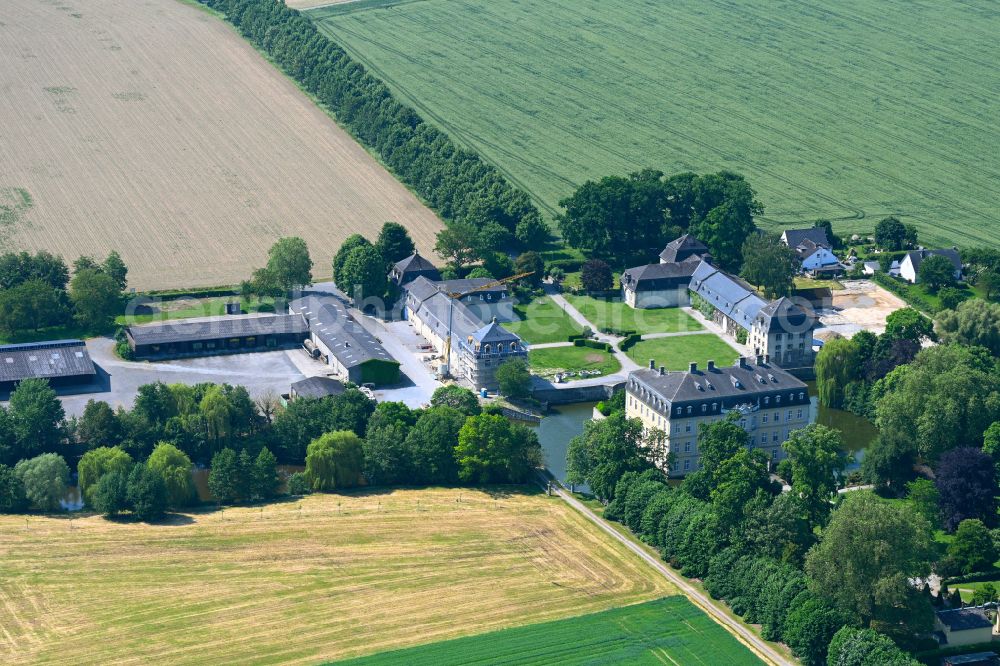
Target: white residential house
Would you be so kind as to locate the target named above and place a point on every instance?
(813, 249)
(909, 267)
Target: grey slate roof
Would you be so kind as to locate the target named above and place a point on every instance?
(731, 296)
(917, 257)
(785, 314)
(651, 277)
(494, 332)
(45, 360)
(329, 321)
(318, 387)
(433, 306)
(682, 249)
(414, 262)
(404, 270)
(962, 619)
(215, 328)
(468, 284)
(795, 237)
(752, 381)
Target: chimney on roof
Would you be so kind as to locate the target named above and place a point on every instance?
(663, 370)
(692, 367)
(652, 364)
(711, 366)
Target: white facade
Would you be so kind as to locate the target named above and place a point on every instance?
(821, 258)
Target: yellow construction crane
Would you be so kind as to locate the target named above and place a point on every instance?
(451, 310)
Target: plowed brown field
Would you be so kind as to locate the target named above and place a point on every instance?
(151, 127)
(301, 582)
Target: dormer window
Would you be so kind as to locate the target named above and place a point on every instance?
(689, 409)
(486, 348)
(777, 399)
(715, 406)
(704, 408)
(680, 410)
(513, 346)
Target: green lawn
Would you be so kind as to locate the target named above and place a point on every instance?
(810, 283)
(667, 631)
(677, 352)
(617, 315)
(848, 111)
(184, 308)
(543, 321)
(547, 362)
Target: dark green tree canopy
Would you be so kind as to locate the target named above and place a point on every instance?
(890, 234)
(769, 264)
(936, 272)
(394, 243)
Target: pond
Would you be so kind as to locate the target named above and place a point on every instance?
(858, 431)
(562, 424)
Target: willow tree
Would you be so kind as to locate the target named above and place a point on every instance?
(837, 365)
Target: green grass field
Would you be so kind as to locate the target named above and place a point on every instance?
(666, 631)
(848, 111)
(184, 308)
(543, 321)
(677, 352)
(550, 360)
(617, 315)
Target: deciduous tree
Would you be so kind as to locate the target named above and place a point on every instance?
(45, 478)
(174, 467)
(491, 449)
(595, 275)
(394, 243)
(865, 558)
(769, 264)
(967, 483)
(817, 460)
(96, 463)
(335, 460)
(972, 548)
(935, 272)
(514, 378)
(96, 299)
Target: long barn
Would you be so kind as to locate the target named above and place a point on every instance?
(61, 362)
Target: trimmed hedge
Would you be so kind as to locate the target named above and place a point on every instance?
(567, 265)
(629, 341)
(622, 333)
(593, 344)
(975, 577)
(575, 336)
(903, 291)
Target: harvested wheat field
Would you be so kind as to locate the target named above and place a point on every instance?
(331, 576)
(152, 127)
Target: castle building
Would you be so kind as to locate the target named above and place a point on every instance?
(769, 403)
(478, 347)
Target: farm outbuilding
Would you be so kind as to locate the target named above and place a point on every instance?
(345, 345)
(207, 336)
(61, 362)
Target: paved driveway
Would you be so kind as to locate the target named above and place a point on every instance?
(258, 372)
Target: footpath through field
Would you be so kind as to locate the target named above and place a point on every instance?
(746, 636)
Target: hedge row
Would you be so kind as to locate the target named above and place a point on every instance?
(630, 341)
(593, 344)
(903, 291)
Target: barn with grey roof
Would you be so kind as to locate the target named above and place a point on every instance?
(343, 343)
(205, 336)
(61, 362)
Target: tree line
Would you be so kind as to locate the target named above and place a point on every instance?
(36, 292)
(140, 460)
(473, 196)
(828, 577)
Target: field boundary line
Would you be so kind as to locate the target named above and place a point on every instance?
(745, 636)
